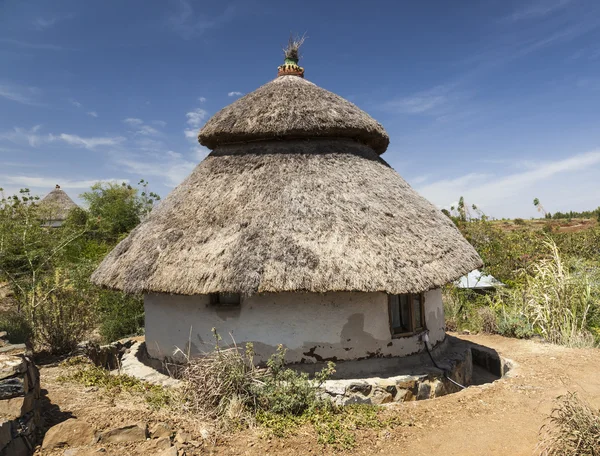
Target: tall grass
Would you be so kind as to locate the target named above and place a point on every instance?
(558, 300)
(573, 429)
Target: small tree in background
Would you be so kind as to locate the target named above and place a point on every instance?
(539, 207)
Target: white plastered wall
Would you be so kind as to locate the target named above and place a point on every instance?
(313, 327)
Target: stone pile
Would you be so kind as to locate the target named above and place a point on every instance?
(19, 400)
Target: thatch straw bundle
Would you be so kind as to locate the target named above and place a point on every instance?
(57, 204)
(298, 215)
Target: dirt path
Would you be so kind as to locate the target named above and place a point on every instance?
(502, 418)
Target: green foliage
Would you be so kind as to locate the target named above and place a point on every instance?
(156, 396)
(48, 269)
(120, 315)
(17, 327)
(115, 209)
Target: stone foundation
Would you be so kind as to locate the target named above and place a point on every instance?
(19, 401)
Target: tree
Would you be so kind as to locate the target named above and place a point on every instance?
(115, 209)
(539, 207)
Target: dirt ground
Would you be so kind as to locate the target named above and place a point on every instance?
(502, 418)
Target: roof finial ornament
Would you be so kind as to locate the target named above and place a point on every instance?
(57, 186)
(292, 55)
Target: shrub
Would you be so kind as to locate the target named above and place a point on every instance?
(17, 327)
(227, 380)
(573, 429)
(65, 314)
(519, 221)
(488, 320)
(515, 325)
(120, 315)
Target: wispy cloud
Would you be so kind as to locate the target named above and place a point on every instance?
(92, 113)
(501, 195)
(44, 23)
(538, 8)
(189, 24)
(201, 99)
(235, 94)
(34, 138)
(160, 123)
(92, 142)
(20, 94)
(133, 121)
(172, 168)
(44, 182)
(196, 117)
(27, 45)
(75, 103)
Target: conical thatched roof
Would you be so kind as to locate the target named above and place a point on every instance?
(294, 197)
(291, 107)
(57, 204)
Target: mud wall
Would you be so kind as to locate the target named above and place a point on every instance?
(313, 327)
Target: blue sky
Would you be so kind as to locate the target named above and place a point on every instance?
(496, 100)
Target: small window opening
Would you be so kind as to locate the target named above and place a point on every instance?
(407, 315)
(225, 299)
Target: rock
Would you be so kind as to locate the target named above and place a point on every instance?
(131, 433)
(161, 444)
(5, 432)
(11, 365)
(84, 452)
(205, 433)
(356, 399)
(404, 395)
(334, 388)
(169, 452)
(11, 387)
(363, 388)
(73, 432)
(182, 437)
(17, 406)
(17, 447)
(424, 391)
(379, 396)
(161, 430)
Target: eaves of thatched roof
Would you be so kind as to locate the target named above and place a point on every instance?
(320, 215)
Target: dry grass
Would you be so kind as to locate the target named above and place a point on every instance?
(573, 429)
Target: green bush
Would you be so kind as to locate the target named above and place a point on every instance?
(515, 326)
(17, 327)
(120, 315)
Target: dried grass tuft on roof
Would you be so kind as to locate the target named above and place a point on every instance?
(291, 107)
(57, 204)
(298, 215)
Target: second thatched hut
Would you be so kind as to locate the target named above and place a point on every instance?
(292, 231)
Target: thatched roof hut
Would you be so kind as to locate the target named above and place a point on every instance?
(56, 206)
(294, 197)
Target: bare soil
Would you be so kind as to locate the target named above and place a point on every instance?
(561, 225)
(501, 418)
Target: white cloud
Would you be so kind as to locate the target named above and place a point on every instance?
(160, 123)
(174, 169)
(538, 9)
(147, 130)
(235, 94)
(24, 136)
(191, 134)
(511, 195)
(50, 182)
(89, 143)
(201, 99)
(43, 23)
(428, 101)
(133, 122)
(20, 94)
(92, 114)
(75, 103)
(27, 45)
(196, 117)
